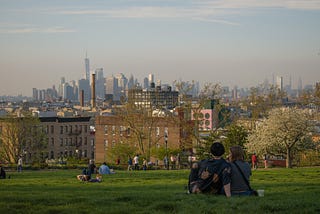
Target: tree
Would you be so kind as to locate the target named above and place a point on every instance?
(142, 127)
(122, 151)
(235, 135)
(20, 136)
(283, 131)
(192, 107)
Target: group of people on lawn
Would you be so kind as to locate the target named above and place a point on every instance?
(87, 172)
(229, 177)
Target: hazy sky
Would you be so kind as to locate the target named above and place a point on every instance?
(239, 42)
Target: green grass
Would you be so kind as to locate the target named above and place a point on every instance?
(160, 191)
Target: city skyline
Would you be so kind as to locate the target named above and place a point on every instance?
(235, 43)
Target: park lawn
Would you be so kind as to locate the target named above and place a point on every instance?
(155, 191)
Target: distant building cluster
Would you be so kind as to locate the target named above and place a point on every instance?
(116, 87)
(79, 117)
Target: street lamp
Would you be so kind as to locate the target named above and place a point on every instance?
(166, 142)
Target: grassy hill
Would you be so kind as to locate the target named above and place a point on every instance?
(157, 191)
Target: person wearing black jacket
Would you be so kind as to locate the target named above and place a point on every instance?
(212, 176)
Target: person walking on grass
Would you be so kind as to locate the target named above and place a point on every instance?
(129, 164)
(136, 162)
(19, 166)
(254, 161)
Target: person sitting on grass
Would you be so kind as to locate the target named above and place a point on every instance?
(104, 169)
(240, 172)
(211, 176)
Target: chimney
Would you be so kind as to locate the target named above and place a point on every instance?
(93, 91)
(82, 98)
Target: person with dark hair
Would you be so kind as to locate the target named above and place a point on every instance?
(91, 168)
(240, 172)
(2, 173)
(212, 176)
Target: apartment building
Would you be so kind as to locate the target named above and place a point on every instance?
(69, 137)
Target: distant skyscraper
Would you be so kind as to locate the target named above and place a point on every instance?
(100, 83)
(131, 82)
(60, 89)
(300, 84)
(151, 79)
(158, 83)
(280, 83)
(87, 67)
(112, 88)
(84, 85)
(235, 93)
(35, 94)
(67, 92)
(146, 83)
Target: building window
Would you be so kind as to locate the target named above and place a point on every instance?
(61, 141)
(52, 129)
(92, 142)
(70, 128)
(106, 130)
(207, 115)
(85, 129)
(85, 141)
(52, 141)
(61, 129)
(113, 130)
(66, 127)
(106, 144)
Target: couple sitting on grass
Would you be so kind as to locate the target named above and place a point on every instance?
(221, 177)
(104, 169)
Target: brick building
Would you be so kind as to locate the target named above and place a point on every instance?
(165, 132)
(69, 137)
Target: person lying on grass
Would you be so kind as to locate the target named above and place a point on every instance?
(93, 180)
(84, 176)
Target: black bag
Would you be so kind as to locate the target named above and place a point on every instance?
(253, 193)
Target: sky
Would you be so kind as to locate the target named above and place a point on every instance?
(234, 43)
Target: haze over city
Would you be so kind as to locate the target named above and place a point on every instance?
(229, 42)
